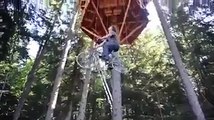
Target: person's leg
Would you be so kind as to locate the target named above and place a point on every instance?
(112, 48)
(116, 47)
(108, 47)
(106, 52)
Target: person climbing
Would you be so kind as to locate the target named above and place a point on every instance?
(109, 42)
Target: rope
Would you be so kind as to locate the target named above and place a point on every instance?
(105, 85)
(106, 89)
(103, 77)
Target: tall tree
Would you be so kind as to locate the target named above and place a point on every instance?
(31, 75)
(30, 80)
(60, 70)
(44, 41)
(83, 101)
(191, 95)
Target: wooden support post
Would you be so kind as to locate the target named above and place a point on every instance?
(124, 19)
(131, 33)
(98, 14)
(92, 33)
(116, 93)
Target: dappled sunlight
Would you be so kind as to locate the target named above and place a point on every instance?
(60, 60)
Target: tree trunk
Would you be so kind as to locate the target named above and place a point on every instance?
(83, 101)
(60, 70)
(57, 82)
(69, 114)
(74, 78)
(31, 75)
(170, 6)
(191, 95)
(116, 95)
(30, 80)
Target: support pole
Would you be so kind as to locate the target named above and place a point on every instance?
(98, 14)
(124, 18)
(92, 33)
(185, 78)
(116, 93)
(132, 32)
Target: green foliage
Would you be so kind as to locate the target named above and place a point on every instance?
(194, 38)
(152, 77)
(150, 90)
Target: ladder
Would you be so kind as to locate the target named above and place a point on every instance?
(102, 71)
(103, 77)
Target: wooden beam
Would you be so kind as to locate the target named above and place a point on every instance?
(132, 32)
(84, 10)
(88, 20)
(90, 32)
(124, 19)
(131, 22)
(91, 11)
(98, 14)
(94, 30)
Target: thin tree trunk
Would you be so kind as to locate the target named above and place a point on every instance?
(73, 78)
(170, 6)
(60, 70)
(191, 95)
(31, 75)
(83, 101)
(69, 114)
(116, 95)
(30, 80)
(57, 82)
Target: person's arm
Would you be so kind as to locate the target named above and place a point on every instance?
(108, 35)
(101, 44)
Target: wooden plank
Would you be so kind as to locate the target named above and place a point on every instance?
(124, 19)
(88, 20)
(111, 3)
(108, 3)
(86, 6)
(130, 22)
(91, 11)
(117, 11)
(132, 32)
(98, 14)
(90, 32)
(95, 31)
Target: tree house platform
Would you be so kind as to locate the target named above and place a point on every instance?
(130, 16)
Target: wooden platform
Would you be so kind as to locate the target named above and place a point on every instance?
(130, 16)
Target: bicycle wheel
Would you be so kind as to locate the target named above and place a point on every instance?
(86, 60)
